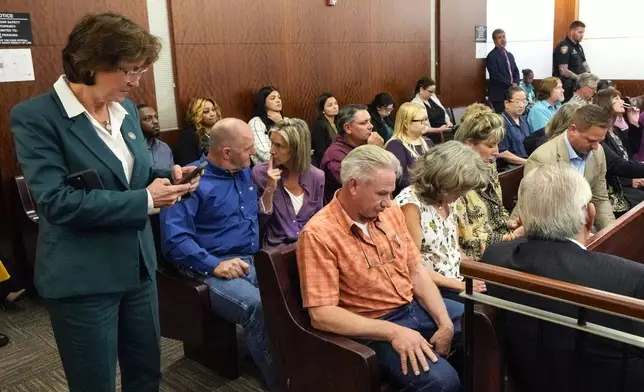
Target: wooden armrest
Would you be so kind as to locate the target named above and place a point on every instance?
(604, 234)
(579, 295)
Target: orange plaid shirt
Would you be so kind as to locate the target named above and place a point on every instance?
(340, 266)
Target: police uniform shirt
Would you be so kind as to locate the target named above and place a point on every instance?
(568, 52)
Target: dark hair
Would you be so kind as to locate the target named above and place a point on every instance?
(381, 100)
(322, 101)
(576, 24)
(346, 115)
(604, 84)
(142, 105)
(497, 32)
(425, 82)
(604, 99)
(592, 115)
(259, 105)
(511, 91)
(527, 72)
(99, 41)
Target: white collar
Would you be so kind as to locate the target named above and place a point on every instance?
(73, 107)
(578, 243)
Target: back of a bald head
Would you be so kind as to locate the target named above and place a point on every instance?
(226, 133)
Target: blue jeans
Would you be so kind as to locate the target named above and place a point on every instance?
(441, 376)
(238, 302)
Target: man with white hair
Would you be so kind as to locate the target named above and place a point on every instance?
(557, 225)
(361, 276)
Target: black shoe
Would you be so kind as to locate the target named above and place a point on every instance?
(4, 340)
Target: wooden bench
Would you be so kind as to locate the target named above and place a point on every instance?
(483, 341)
(510, 181)
(184, 303)
(622, 238)
(306, 359)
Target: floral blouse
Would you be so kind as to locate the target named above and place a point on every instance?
(482, 219)
(439, 245)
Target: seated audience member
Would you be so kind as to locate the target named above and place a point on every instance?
(555, 127)
(528, 87)
(482, 219)
(549, 95)
(439, 178)
(408, 143)
(517, 129)
(439, 120)
(354, 129)
(194, 139)
(622, 192)
(291, 189)
(159, 151)
(580, 147)
(213, 234)
(267, 110)
(473, 109)
(380, 110)
(502, 69)
(361, 277)
(324, 130)
(586, 88)
(557, 226)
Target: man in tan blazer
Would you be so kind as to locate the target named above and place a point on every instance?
(580, 147)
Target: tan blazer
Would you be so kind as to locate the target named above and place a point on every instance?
(556, 150)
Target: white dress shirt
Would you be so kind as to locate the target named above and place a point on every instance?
(113, 140)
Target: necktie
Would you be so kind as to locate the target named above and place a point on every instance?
(507, 59)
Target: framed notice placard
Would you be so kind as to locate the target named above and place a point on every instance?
(480, 33)
(15, 29)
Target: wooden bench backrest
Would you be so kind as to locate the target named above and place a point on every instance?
(623, 238)
(510, 181)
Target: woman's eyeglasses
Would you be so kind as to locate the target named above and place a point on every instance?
(421, 120)
(133, 74)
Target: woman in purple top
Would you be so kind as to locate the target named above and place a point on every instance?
(408, 142)
(291, 189)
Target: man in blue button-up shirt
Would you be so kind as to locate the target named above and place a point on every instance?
(213, 234)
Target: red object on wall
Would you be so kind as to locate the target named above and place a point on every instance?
(331, 3)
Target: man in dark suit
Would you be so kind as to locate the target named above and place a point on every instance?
(557, 225)
(502, 69)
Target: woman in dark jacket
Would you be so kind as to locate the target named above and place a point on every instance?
(622, 191)
(380, 109)
(194, 139)
(323, 130)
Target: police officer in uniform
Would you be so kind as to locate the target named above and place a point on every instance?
(569, 60)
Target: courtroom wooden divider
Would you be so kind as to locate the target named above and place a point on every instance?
(624, 237)
(510, 181)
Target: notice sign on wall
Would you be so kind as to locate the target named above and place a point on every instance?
(15, 29)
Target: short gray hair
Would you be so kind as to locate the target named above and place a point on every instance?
(448, 167)
(559, 212)
(346, 115)
(497, 32)
(363, 160)
(586, 79)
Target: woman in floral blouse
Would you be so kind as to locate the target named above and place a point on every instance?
(482, 219)
(438, 178)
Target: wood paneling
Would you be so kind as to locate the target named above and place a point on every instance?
(630, 88)
(231, 48)
(566, 12)
(461, 76)
(52, 21)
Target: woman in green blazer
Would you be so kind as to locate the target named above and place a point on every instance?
(95, 263)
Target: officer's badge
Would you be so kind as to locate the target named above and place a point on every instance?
(564, 49)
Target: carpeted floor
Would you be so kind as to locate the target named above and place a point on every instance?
(30, 363)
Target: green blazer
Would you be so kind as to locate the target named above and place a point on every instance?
(89, 242)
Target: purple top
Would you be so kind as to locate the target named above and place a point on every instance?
(282, 226)
(396, 147)
(330, 164)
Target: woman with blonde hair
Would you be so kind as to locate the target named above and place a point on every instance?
(482, 218)
(473, 109)
(408, 142)
(194, 140)
(439, 178)
(555, 127)
(291, 189)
